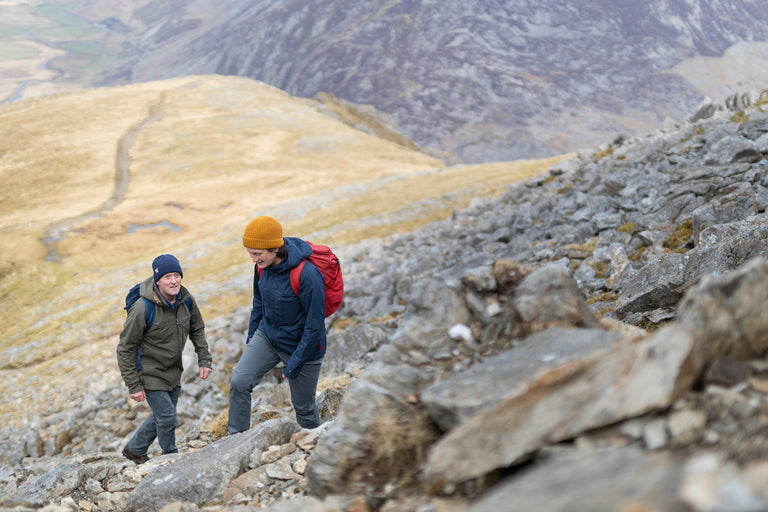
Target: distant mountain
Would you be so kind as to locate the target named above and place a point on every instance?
(486, 81)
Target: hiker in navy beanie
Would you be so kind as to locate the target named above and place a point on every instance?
(150, 349)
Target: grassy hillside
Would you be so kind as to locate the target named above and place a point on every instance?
(96, 183)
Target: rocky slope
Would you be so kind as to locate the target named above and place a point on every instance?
(592, 340)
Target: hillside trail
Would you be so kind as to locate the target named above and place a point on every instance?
(56, 231)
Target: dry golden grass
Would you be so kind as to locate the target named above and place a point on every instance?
(202, 155)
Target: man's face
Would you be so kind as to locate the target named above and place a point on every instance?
(169, 285)
(263, 257)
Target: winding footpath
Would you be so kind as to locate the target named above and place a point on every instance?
(56, 231)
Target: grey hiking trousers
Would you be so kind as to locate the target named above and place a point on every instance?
(259, 357)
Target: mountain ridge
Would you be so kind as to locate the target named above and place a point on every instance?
(482, 82)
(525, 59)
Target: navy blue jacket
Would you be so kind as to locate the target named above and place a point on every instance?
(294, 325)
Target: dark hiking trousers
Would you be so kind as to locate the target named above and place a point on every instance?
(259, 357)
(160, 424)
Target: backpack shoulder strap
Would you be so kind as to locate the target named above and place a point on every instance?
(296, 276)
(149, 313)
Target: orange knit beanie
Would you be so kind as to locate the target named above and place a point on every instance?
(263, 232)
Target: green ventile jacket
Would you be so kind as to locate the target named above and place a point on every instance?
(162, 345)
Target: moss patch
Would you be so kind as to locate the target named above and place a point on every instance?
(638, 254)
(604, 297)
(599, 155)
(677, 241)
(740, 117)
(600, 267)
(586, 247)
(628, 228)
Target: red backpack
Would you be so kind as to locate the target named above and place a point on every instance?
(328, 264)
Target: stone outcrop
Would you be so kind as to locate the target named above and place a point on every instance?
(202, 476)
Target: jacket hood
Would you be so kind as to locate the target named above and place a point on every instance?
(298, 251)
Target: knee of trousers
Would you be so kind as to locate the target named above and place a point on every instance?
(240, 383)
(166, 421)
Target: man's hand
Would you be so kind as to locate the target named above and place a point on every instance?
(139, 397)
(204, 372)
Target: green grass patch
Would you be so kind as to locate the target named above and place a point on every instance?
(67, 25)
(14, 51)
(9, 31)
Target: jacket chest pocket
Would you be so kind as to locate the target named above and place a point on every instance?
(285, 308)
(171, 323)
(183, 318)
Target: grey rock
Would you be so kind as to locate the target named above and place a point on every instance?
(686, 426)
(598, 480)
(484, 386)
(376, 400)
(550, 295)
(710, 483)
(444, 314)
(655, 434)
(280, 470)
(727, 371)
(198, 477)
(566, 401)
(762, 143)
(658, 284)
(738, 205)
(725, 312)
(733, 149)
(726, 247)
(349, 349)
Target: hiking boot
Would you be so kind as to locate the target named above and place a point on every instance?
(138, 459)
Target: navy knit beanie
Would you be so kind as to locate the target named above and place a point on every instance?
(165, 264)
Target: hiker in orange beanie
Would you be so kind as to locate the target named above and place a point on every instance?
(285, 326)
